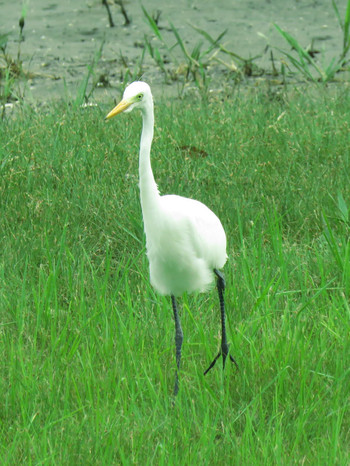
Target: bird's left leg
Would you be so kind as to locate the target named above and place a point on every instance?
(178, 342)
(224, 345)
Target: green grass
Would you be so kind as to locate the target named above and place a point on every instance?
(87, 347)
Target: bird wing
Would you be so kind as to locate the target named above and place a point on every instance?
(200, 228)
(185, 242)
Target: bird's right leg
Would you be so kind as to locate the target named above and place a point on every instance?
(224, 345)
(178, 342)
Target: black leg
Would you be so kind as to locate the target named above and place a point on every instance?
(224, 345)
(178, 343)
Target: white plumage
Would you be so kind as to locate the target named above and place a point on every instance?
(184, 246)
(186, 243)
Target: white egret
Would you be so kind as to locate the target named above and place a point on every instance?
(186, 243)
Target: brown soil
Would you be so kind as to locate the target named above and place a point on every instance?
(61, 38)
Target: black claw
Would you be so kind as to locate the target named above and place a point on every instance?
(224, 353)
(213, 363)
(232, 359)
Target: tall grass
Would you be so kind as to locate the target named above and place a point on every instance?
(86, 347)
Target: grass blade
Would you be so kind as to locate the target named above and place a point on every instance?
(332, 243)
(345, 27)
(81, 94)
(343, 207)
(304, 57)
(153, 24)
(214, 42)
(346, 40)
(182, 45)
(4, 40)
(295, 45)
(337, 14)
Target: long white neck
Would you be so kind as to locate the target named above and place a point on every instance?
(148, 188)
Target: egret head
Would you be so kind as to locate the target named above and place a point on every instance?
(136, 95)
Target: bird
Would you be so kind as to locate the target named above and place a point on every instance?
(185, 240)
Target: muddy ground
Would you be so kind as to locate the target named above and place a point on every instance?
(62, 37)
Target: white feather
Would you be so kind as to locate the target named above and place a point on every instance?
(184, 246)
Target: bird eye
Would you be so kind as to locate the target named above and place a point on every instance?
(140, 96)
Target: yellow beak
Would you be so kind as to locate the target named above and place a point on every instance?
(123, 105)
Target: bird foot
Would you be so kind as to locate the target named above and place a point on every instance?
(224, 353)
